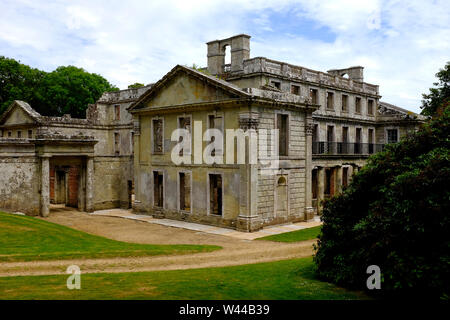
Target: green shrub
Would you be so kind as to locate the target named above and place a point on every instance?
(394, 214)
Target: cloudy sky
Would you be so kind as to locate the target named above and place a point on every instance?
(401, 44)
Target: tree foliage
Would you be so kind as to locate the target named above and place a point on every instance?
(394, 214)
(435, 102)
(66, 90)
(136, 85)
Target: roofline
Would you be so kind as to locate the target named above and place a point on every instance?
(220, 83)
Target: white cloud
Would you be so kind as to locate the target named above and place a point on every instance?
(401, 44)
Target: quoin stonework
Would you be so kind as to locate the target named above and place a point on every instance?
(120, 155)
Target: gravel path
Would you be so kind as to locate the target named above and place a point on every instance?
(234, 252)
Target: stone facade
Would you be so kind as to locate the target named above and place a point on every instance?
(121, 154)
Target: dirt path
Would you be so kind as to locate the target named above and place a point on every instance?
(234, 252)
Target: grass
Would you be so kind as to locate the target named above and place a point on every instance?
(294, 236)
(281, 280)
(25, 238)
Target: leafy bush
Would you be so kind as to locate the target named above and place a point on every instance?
(394, 214)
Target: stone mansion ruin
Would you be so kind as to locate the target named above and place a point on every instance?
(328, 124)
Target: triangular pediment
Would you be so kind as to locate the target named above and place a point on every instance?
(185, 86)
(19, 113)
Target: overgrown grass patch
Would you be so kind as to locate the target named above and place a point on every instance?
(25, 238)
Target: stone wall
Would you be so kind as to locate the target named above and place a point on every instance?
(19, 184)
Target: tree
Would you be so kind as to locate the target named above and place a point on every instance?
(17, 81)
(438, 99)
(394, 215)
(67, 90)
(136, 85)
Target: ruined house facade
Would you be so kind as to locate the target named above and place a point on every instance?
(328, 124)
(82, 163)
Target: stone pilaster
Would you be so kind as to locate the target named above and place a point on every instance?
(320, 186)
(309, 209)
(90, 184)
(45, 186)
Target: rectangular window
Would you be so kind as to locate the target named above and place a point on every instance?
(330, 100)
(19, 134)
(30, 134)
(276, 84)
(392, 135)
(9, 134)
(344, 146)
(158, 136)
(117, 112)
(329, 182)
(1, 133)
(216, 122)
(370, 106)
(215, 194)
(357, 105)
(185, 191)
(358, 146)
(344, 177)
(283, 134)
(185, 123)
(116, 143)
(295, 90)
(371, 141)
(344, 103)
(313, 94)
(158, 189)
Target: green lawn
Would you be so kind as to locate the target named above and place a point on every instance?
(288, 279)
(26, 238)
(295, 236)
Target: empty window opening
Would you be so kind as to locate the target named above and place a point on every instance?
(330, 100)
(344, 177)
(314, 186)
(30, 134)
(227, 51)
(19, 134)
(344, 102)
(184, 123)
(215, 122)
(276, 84)
(358, 145)
(370, 106)
(358, 105)
(295, 90)
(329, 182)
(117, 112)
(9, 134)
(314, 96)
(157, 135)
(215, 194)
(185, 191)
(371, 139)
(158, 189)
(283, 134)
